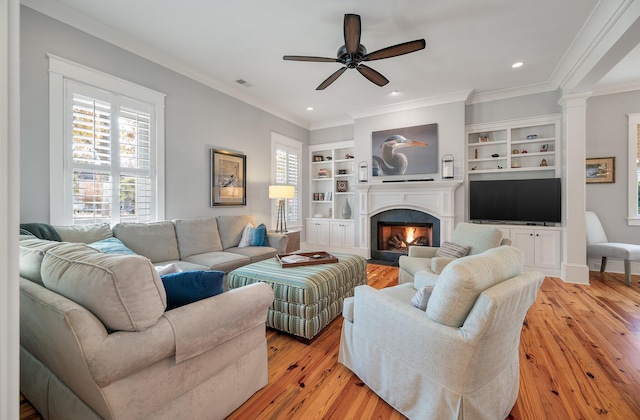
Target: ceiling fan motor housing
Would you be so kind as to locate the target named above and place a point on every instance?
(351, 60)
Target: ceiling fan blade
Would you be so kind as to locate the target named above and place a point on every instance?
(307, 58)
(352, 32)
(331, 78)
(372, 75)
(395, 50)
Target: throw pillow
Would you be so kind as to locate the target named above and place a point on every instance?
(421, 298)
(167, 269)
(111, 246)
(246, 236)
(191, 286)
(259, 236)
(451, 250)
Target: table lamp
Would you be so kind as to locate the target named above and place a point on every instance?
(281, 193)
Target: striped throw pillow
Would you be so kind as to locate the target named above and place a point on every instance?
(451, 250)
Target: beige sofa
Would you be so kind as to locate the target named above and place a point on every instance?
(96, 341)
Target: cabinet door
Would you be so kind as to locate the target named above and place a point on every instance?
(524, 240)
(342, 234)
(318, 232)
(547, 248)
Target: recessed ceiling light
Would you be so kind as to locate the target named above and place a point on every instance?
(395, 92)
(309, 108)
(517, 64)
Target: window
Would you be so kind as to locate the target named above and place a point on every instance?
(285, 158)
(634, 170)
(106, 148)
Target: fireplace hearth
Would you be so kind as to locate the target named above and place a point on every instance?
(394, 231)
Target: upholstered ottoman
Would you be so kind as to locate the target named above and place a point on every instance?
(307, 298)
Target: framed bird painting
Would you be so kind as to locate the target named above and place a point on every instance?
(405, 151)
(228, 178)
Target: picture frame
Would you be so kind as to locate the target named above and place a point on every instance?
(228, 178)
(318, 158)
(400, 152)
(601, 170)
(342, 186)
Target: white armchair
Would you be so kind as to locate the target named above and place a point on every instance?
(478, 238)
(460, 358)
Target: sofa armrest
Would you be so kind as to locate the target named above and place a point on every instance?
(439, 263)
(278, 241)
(205, 324)
(422, 251)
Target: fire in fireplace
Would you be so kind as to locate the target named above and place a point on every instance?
(398, 236)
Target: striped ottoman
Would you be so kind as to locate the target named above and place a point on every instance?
(307, 298)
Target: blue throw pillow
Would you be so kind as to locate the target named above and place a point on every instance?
(111, 246)
(191, 286)
(259, 236)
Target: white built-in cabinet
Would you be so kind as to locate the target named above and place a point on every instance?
(332, 176)
(542, 246)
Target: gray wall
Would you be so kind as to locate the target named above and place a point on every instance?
(607, 135)
(331, 134)
(197, 118)
(519, 107)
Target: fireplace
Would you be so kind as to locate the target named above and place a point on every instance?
(393, 231)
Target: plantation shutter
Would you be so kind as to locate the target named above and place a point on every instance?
(287, 172)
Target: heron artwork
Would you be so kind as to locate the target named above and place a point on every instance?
(391, 161)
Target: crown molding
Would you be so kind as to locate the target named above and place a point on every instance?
(515, 92)
(77, 20)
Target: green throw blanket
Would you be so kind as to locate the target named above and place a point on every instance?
(41, 231)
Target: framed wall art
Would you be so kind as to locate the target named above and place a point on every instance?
(405, 151)
(601, 170)
(228, 178)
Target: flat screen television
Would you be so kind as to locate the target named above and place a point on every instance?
(515, 200)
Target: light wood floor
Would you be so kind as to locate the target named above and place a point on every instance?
(579, 359)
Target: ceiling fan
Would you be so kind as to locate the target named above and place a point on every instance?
(352, 54)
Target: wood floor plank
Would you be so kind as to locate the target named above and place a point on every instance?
(579, 359)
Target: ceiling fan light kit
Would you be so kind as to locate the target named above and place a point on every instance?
(352, 54)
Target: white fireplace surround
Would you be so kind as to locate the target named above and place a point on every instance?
(433, 197)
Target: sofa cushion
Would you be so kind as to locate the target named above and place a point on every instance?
(231, 228)
(479, 238)
(197, 236)
(156, 241)
(31, 255)
(461, 282)
(111, 246)
(451, 250)
(85, 234)
(191, 286)
(255, 253)
(222, 261)
(123, 291)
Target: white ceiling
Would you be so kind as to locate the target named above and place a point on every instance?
(471, 45)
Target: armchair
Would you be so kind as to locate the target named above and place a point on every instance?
(599, 246)
(478, 238)
(460, 358)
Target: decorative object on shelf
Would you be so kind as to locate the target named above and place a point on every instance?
(328, 158)
(342, 171)
(601, 170)
(346, 210)
(543, 162)
(474, 168)
(532, 136)
(323, 173)
(476, 153)
(281, 193)
(515, 164)
(228, 178)
(320, 196)
(447, 166)
(348, 156)
(318, 215)
(422, 159)
(515, 152)
(317, 158)
(544, 148)
(330, 213)
(342, 186)
(495, 155)
(499, 167)
(363, 172)
(483, 137)
(524, 151)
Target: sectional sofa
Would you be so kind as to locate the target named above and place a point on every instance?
(96, 340)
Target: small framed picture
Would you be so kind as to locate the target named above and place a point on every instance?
(342, 186)
(318, 158)
(601, 170)
(483, 137)
(342, 171)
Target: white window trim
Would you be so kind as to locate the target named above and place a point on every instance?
(633, 217)
(60, 70)
(297, 144)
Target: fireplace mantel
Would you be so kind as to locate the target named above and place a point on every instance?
(433, 197)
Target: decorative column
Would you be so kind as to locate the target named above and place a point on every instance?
(574, 267)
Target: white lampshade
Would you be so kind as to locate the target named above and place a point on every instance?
(282, 191)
